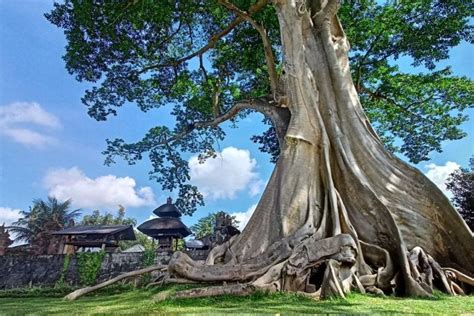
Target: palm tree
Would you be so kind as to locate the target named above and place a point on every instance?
(36, 225)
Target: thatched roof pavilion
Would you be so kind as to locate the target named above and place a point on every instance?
(105, 237)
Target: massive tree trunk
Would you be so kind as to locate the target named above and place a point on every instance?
(339, 210)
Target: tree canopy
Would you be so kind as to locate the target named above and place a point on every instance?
(209, 64)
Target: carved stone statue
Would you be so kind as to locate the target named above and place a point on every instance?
(223, 229)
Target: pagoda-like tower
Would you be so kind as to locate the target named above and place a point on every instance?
(167, 227)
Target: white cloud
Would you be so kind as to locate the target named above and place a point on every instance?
(232, 171)
(104, 191)
(27, 112)
(243, 217)
(8, 215)
(28, 137)
(19, 119)
(439, 174)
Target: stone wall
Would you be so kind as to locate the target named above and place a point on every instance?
(22, 271)
(26, 271)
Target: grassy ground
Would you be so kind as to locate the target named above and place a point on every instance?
(141, 302)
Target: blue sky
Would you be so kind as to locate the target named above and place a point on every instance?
(48, 144)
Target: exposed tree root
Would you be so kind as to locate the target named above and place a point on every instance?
(78, 293)
(320, 268)
(288, 266)
(456, 275)
(467, 282)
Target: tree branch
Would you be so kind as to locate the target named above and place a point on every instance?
(267, 45)
(259, 105)
(363, 59)
(329, 10)
(406, 109)
(212, 41)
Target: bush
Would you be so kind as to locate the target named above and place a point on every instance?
(88, 266)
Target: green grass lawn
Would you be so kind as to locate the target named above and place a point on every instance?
(140, 301)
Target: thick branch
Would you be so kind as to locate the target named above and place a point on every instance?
(258, 105)
(212, 41)
(363, 59)
(267, 45)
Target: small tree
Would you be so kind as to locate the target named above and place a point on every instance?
(205, 225)
(96, 218)
(461, 184)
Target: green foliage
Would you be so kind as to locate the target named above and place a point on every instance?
(88, 266)
(96, 218)
(205, 225)
(148, 259)
(60, 283)
(150, 53)
(36, 224)
(417, 110)
(420, 109)
(178, 244)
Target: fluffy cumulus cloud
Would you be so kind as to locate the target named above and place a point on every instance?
(104, 191)
(243, 217)
(232, 171)
(25, 122)
(8, 215)
(439, 174)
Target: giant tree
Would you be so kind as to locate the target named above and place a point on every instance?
(340, 209)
